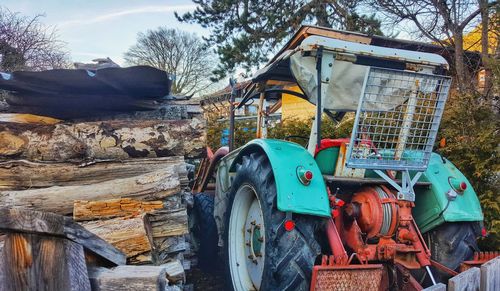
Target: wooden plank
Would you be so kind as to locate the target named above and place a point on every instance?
(123, 278)
(23, 174)
(149, 186)
(114, 139)
(37, 222)
(112, 208)
(125, 233)
(38, 262)
(465, 281)
(490, 275)
(437, 287)
(168, 222)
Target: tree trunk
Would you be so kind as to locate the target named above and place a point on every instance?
(483, 4)
(462, 80)
(22, 174)
(115, 140)
(149, 186)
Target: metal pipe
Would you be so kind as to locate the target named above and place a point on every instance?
(232, 83)
(430, 275)
(319, 109)
(335, 243)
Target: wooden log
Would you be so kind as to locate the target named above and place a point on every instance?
(115, 139)
(490, 275)
(125, 233)
(465, 281)
(149, 186)
(175, 271)
(123, 278)
(23, 174)
(39, 262)
(141, 259)
(167, 222)
(105, 209)
(37, 222)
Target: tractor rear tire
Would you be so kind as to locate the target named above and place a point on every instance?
(451, 244)
(288, 256)
(206, 232)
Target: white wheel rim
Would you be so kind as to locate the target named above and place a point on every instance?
(246, 241)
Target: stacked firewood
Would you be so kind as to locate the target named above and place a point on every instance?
(122, 177)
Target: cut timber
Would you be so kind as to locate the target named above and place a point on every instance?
(27, 118)
(23, 174)
(126, 234)
(37, 222)
(168, 222)
(39, 262)
(175, 271)
(115, 139)
(150, 186)
(123, 278)
(90, 210)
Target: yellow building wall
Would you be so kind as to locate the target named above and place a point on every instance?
(293, 107)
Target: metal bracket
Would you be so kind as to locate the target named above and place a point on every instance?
(405, 190)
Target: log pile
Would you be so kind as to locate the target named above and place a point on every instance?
(123, 177)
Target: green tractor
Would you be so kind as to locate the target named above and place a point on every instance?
(376, 210)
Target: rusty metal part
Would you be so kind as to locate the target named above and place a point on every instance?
(339, 253)
(479, 259)
(378, 215)
(406, 281)
(207, 169)
(443, 268)
(329, 276)
(374, 213)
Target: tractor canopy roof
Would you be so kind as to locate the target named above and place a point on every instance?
(345, 59)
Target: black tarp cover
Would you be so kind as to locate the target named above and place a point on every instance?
(66, 93)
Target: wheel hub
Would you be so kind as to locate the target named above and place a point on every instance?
(246, 240)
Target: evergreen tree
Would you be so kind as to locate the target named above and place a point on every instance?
(246, 32)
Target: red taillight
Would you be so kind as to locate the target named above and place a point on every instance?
(484, 233)
(289, 225)
(463, 186)
(305, 176)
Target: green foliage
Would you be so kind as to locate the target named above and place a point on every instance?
(295, 130)
(245, 32)
(470, 127)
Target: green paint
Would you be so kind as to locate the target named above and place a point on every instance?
(327, 160)
(256, 241)
(430, 203)
(285, 157)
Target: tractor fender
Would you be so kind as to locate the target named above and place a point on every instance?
(432, 207)
(285, 157)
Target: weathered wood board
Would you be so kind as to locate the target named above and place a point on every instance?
(39, 262)
(490, 275)
(465, 281)
(49, 224)
(105, 209)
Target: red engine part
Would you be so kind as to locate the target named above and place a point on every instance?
(378, 227)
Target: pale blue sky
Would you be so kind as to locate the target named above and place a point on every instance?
(104, 28)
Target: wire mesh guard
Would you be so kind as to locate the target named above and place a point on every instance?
(397, 120)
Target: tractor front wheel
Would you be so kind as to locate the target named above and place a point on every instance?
(261, 254)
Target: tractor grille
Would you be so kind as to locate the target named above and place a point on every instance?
(397, 120)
